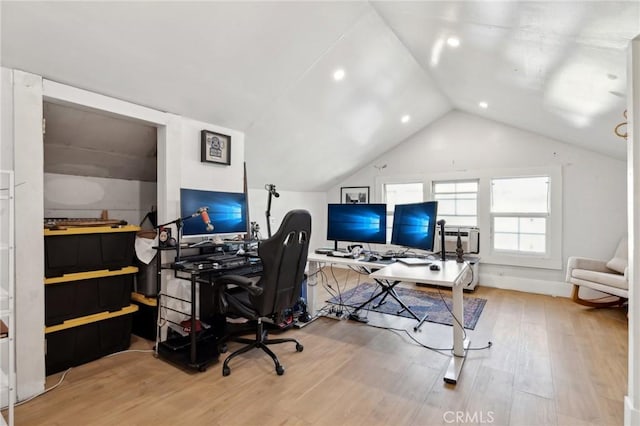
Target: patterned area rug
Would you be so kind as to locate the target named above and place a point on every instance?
(420, 301)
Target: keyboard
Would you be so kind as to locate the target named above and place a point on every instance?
(346, 255)
(218, 264)
(221, 258)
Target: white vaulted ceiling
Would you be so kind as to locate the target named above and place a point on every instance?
(266, 68)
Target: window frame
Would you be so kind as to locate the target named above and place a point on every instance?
(384, 200)
(545, 215)
(433, 196)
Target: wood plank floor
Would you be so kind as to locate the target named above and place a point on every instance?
(552, 363)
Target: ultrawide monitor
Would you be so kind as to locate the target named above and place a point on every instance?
(414, 225)
(362, 223)
(227, 212)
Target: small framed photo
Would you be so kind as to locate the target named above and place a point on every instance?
(215, 148)
(354, 194)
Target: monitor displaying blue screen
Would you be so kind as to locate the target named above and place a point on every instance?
(362, 223)
(414, 225)
(227, 211)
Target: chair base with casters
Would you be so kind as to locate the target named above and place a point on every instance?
(278, 288)
(260, 342)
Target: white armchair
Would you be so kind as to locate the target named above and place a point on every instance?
(607, 276)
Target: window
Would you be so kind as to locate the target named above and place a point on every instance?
(401, 193)
(457, 202)
(520, 214)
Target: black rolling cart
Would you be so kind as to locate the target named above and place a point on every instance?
(195, 346)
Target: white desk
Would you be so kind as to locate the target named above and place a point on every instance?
(450, 274)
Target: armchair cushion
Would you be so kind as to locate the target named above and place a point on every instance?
(604, 278)
(619, 261)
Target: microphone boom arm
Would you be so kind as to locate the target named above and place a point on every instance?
(271, 188)
(268, 214)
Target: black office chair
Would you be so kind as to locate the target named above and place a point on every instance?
(284, 257)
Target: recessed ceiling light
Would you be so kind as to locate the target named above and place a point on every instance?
(453, 41)
(338, 74)
(483, 104)
(405, 118)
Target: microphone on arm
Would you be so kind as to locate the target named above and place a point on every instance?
(203, 212)
(272, 189)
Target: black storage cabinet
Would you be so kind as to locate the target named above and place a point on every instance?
(88, 249)
(146, 318)
(86, 339)
(87, 293)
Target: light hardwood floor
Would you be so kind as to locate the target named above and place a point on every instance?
(552, 363)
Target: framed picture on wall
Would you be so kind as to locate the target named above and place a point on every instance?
(215, 148)
(354, 194)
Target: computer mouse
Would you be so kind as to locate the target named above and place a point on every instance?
(434, 267)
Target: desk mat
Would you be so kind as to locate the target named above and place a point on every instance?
(420, 301)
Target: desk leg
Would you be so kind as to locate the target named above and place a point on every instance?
(193, 332)
(460, 345)
(312, 283)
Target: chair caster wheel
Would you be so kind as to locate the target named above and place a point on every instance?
(226, 371)
(299, 347)
(280, 370)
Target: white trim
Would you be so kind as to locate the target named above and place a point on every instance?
(631, 414)
(529, 285)
(63, 94)
(632, 400)
(29, 251)
(381, 181)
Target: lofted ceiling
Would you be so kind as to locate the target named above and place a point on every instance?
(266, 68)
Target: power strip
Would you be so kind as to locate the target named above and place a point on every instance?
(300, 324)
(336, 313)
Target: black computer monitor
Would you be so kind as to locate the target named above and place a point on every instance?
(361, 223)
(414, 225)
(227, 212)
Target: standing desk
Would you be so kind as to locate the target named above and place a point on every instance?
(451, 274)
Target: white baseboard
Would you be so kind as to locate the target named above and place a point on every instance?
(529, 285)
(631, 414)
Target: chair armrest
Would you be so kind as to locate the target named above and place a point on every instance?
(244, 282)
(597, 265)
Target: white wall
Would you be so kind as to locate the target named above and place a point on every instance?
(314, 202)
(86, 197)
(208, 176)
(594, 186)
(6, 120)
